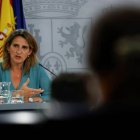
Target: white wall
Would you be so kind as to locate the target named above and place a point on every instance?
(44, 18)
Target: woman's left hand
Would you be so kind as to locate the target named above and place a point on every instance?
(29, 92)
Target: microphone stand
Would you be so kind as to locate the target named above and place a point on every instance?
(47, 69)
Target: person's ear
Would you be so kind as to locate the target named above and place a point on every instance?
(8, 47)
(30, 51)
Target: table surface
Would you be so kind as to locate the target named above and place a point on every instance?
(25, 106)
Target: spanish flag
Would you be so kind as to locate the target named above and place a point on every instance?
(19, 14)
(11, 18)
(7, 21)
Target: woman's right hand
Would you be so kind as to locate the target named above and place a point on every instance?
(29, 92)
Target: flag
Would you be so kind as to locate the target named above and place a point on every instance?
(7, 21)
(0, 7)
(19, 14)
(11, 18)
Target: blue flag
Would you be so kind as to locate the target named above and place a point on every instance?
(19, 14)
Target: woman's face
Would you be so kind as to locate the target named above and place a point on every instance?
(19, 50)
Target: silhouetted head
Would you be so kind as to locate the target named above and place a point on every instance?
(76, 88)
(114, 53)
(115, 41)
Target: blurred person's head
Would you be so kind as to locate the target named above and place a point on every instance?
(114, 50)
(76, 88)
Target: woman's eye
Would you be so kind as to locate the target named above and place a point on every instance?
(15, 45)
(24, 47)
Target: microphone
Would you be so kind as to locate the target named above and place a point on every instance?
(47, 69)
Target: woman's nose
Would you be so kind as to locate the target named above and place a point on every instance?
(19, 50)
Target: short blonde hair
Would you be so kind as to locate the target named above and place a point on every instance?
(30, 61)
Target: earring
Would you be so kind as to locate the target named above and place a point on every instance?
(28, 56)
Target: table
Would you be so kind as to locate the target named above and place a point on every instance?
(25, 106)
(26, 113)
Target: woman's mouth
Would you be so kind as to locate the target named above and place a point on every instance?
(18, 57)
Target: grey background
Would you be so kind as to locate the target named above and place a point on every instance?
(61, 28)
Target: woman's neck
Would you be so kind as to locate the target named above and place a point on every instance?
(16, 66)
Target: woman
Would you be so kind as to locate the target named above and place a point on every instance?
(21, 67)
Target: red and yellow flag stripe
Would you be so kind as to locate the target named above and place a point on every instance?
(7, 21)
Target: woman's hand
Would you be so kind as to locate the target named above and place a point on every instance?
(35, 99)
(29, 92)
